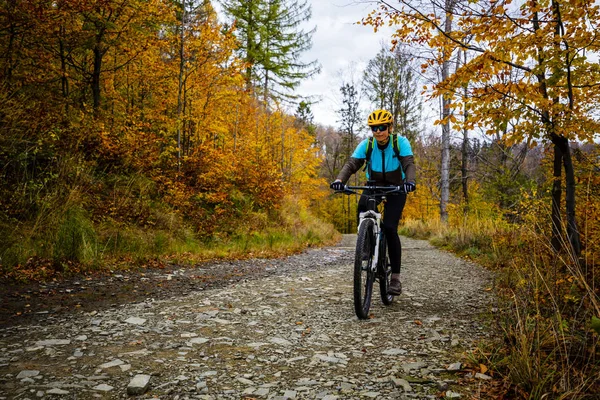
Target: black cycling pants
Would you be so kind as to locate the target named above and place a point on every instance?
(394, 206)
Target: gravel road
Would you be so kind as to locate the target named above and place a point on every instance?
(287, 333)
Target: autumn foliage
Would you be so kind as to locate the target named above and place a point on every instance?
(120, 118)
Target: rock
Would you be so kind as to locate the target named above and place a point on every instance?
(198, 340)
(453, 395)
(110, 364)
(280, 341)
(53, 342)
(245, 381)
(261, 392)
(479, 375)
(57, 391)
(27, 374)
(394, 352)
(402, 383)
(371, 395)
(414, 366)
(103, 387)
(139, 385)
(135, 321)
(455, 367)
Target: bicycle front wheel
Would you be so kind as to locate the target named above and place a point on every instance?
(363, 276)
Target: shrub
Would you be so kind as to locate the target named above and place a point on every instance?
(76, 238)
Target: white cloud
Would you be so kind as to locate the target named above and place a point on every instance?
(338, 43)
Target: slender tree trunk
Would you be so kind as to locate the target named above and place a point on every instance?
(572, 230)
(98, 53)
(180, 85)
(445, 167)
(465, 167)
(64, 81)
(465, 148)
(556, 197)
(235, 129)
(250, 48)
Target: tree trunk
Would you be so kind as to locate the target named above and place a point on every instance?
(465, 168)
(180, 85)
(572, 231)
(445, 167)
(64, 81)
(465, 149)
(98, 53)
(556, 198)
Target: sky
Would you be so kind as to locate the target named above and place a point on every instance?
(339, 45)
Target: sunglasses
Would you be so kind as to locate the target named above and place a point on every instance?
(379, 128)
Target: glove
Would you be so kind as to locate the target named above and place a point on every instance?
(409, 187)
(337, 185)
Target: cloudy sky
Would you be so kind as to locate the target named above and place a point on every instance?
(340, 46)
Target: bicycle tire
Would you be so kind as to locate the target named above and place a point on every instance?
(363, 276)
(384, 272)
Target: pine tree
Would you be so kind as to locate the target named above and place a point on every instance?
(305, 118)
(271, 44)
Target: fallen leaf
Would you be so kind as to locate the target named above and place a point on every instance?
(483, 368)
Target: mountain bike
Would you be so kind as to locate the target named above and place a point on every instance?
(371, 260)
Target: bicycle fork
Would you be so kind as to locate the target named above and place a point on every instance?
(377, 217)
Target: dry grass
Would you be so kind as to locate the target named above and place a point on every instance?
(546, 347)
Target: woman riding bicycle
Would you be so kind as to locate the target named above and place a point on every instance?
(387, 164)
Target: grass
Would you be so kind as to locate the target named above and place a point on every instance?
(545, 347)
(73, 243)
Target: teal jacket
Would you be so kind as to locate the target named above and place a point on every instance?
(385, 167)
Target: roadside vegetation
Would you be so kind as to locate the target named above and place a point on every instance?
(548, 302)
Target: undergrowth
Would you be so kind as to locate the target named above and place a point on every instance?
(547, 347)
(76, 242)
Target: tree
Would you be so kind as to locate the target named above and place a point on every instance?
(305, 118)
(350, 121)
(553, 97)
(271, 43)
(390, 83)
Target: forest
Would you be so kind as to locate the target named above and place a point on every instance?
(135, 133)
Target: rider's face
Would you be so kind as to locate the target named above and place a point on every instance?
(381, 136)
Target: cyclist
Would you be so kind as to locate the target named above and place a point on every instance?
(386, 166)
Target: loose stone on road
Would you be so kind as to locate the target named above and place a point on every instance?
(291, 334)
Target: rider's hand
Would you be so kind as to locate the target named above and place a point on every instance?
(337, 185)
(409, 187)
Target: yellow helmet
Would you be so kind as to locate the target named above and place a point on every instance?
(380, 117)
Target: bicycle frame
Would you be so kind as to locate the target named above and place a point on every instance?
(372, 211)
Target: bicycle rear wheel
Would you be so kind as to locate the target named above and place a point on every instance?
(363, 276)
(384, 269)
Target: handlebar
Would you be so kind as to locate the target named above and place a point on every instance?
(385, 189)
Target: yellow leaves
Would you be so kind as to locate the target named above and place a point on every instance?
(519, 69)
(483, 369)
